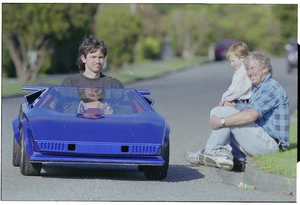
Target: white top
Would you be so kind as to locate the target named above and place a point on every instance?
(240, 88)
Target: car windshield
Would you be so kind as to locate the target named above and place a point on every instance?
(91, 102)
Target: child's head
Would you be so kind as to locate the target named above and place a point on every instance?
(237, 53)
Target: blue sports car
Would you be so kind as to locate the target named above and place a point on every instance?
(90, 125)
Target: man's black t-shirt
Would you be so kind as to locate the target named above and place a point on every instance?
(82, 81)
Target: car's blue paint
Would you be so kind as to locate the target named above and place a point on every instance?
(52, 135)
(16, 129)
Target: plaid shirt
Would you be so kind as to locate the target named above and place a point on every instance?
(271, 102)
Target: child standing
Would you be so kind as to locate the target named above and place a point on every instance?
(239, 92)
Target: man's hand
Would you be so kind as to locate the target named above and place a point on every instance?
(215, 122)
(231, 104)
(221, 103)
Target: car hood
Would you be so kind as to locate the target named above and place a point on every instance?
(142, 127)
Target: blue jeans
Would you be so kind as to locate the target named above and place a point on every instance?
(241, 141)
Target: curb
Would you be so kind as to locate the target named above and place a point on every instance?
(269, 182)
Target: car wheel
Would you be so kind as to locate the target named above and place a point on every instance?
(16, 153)
(141, 168)
(27, 168)
(158, 172)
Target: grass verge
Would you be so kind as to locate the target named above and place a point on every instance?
(284, 163)
(153, 69)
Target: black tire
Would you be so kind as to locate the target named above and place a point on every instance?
(218, 58)
(158, 172)
(16, 153)
(141, 168)
(26, 167)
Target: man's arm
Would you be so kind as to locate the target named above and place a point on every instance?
(240, 118)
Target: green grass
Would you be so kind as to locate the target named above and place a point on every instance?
(153, 69)
(284, 163)
(11, 89)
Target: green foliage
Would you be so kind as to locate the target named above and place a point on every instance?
(189, 28)
(120, 29)
(287, 15)
(46, 67)
(36, 28)
(148, 48)
(132, 31)
(189, 24)
(165, 8)
(253, 24)
(151, 21)
(81, 16)
(7, 64)
(35, 21)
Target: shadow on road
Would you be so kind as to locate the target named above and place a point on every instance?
(176, 173)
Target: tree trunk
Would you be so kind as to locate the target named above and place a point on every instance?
(27, 69)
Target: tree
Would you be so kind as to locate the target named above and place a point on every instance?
(31, 30)
(150, 39)
(7, 64)
(152, 25)
(119, 27)
(256, 26)
(287, 15)
(189, 28)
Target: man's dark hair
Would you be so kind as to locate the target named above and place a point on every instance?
(89, 45)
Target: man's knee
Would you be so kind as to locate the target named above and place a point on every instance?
(223, 111)
(215, 111)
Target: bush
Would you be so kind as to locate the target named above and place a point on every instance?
(8, 69)
(149, 48)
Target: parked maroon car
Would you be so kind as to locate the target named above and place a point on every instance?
(222, 47)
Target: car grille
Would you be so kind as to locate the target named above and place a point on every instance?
(144, 149)
(124, 149)
(51, 146)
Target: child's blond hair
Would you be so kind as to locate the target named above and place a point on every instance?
(239, 49)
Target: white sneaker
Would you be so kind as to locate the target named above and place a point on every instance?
(220, 161)
(193, 157)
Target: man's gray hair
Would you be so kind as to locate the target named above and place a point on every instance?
(262, 59)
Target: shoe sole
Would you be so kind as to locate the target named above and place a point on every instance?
(209, 161)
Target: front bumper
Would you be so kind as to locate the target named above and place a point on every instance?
(137, 160)
(97, 152)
